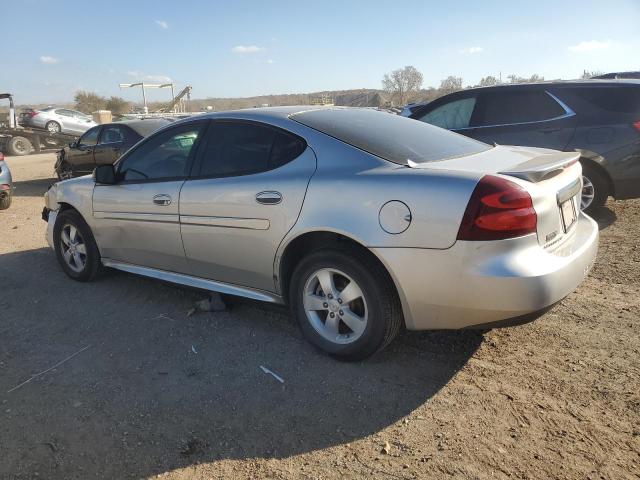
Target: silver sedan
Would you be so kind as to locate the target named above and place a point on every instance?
(57, 120)
(362, 221)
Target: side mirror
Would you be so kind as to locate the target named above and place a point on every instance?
(105, 174)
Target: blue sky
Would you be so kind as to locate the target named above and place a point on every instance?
(244, 48)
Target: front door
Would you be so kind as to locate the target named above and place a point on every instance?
(80, 157)
(247, 194)
(137, 220)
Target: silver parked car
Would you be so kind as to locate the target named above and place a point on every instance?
(6, 185)
(57, 120)
(362, 221)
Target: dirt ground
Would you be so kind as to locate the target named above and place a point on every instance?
(157, 393)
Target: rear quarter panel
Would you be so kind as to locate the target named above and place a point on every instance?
(350, 186)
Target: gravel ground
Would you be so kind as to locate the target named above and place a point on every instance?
(158, 393)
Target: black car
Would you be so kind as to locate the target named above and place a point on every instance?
(600, 119)
(103, 145)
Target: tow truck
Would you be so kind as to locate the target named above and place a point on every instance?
(17, 140)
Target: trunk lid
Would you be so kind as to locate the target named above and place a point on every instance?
(552, 178)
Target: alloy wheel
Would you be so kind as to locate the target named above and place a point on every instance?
(335, 306)
(588, 193)
(74, 250)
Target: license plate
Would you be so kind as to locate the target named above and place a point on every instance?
(568, 211)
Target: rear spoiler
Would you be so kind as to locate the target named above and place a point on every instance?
(543, 166)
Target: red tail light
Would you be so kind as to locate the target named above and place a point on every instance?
(636, 125)
(33, 113)
(497, 209)
(1, 156)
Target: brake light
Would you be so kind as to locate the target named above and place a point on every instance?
(33, 113)
(1, 156)
(497, 209)
(636, 125)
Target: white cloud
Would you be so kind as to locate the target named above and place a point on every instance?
(472, 50)
(590, 46)
(162, 24)
(48, 60)
(246, 49)
(140, 76)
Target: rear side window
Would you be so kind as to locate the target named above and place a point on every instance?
(611, 99)
(452, 115)
(391, 137)
(237, 148)
(503, 108)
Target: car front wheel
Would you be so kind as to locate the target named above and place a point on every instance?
(75, 247)
(345, 303)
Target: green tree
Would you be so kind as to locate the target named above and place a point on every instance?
(88, 102)
(117, 105)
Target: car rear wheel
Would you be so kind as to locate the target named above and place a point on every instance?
(53, 127)
(595, 189)
(345, 303)
(75, 247)
(18, 146)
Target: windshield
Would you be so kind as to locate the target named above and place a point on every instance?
(392, 137)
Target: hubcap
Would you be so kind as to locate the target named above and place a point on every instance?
(335, 306)
(588, 193)
(52, 127)
(74, 251)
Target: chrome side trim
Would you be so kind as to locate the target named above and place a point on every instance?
(140, 217)
(195, 282)
(567, 113)
(231, 222)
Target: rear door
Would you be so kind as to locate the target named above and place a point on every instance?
(526, 117)
(245, 195)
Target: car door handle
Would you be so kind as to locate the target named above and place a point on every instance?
(269, 198)
(162, 199)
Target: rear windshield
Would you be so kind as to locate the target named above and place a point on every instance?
(392, 137)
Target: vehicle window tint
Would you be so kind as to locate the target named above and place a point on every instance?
(285, 148)
(244, 148)
(391, 137)
(452, 115)
(111, 134)
(501, 108)
(162, 156)
(611, 99)
(64, 113)
(90, 137)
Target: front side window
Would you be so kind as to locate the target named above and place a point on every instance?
(452, 115)
(90, 138)
(162, 156)
(236, 148)
(503, 108)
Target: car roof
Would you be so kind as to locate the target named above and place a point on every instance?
(553, 83)
(143, 127)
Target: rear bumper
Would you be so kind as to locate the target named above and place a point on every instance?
(488, 284)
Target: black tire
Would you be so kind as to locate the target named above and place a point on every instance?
(5, 201)
(93, 265)
(18, 146)
(600, 188)
(53, 127)
(383, 305)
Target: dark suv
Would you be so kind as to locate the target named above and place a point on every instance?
(600, 119)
